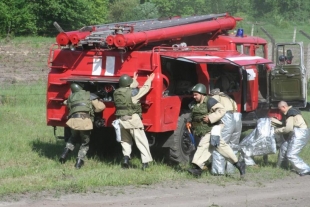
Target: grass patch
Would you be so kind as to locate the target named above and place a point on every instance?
(34, 41)
(29, 152)
(29, 155)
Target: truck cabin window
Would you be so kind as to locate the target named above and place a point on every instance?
(260, 51)
(288, 55)
(243, 49)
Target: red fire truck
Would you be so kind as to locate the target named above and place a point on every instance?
(181, 52)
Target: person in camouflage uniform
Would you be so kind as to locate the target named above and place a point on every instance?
(82, 105)
(129, 111)
(206, 114)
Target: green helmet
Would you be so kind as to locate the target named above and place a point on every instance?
(125, 80)
(200, 88)
(76, 87)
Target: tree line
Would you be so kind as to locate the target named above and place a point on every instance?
(36, 17)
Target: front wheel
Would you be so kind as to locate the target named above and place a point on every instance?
(181, 146)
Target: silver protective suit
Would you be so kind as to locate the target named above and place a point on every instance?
(290, 149)
(231, 135)
(261, 141)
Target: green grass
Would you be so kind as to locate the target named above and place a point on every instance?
(29, 155)
(34, 41)
(29, 151)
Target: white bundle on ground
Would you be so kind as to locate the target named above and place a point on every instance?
(261, 141)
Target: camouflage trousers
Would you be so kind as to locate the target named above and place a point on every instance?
(79, 136)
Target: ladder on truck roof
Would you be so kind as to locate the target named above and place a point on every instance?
(105, 34)
(150, 24)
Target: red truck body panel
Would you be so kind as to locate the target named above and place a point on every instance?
(131, 52)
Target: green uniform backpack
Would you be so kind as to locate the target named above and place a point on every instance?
(123, 103)
(80, 102)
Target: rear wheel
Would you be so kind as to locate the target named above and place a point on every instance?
(181, 146)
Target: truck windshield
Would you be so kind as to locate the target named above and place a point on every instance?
(260, 51)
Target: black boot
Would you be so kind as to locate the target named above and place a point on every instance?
(241, 167)
(79, 163)
(126, 162)
(145, 165)
(64, 155)
(195, 171)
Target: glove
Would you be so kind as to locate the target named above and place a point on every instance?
(215, 140)
(117, 128)
(277, 131)
(215, 136)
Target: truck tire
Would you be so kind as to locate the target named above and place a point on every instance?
(181, 146)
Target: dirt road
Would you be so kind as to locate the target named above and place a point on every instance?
(293, 191)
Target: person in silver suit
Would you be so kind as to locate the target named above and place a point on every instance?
(297, 136)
